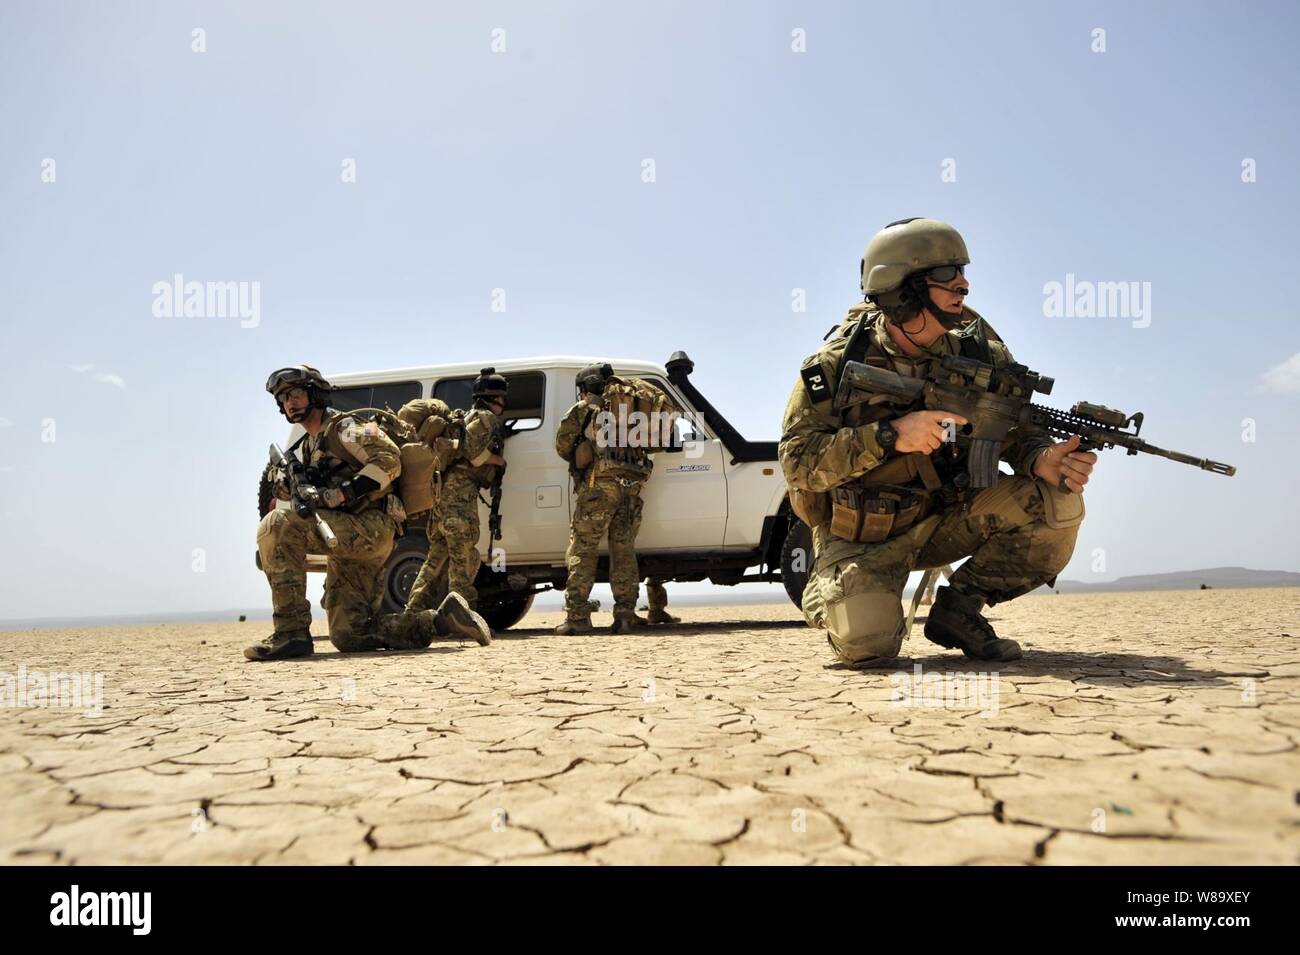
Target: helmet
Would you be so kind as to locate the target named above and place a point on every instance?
(489, 384)
(907, 246)
(593, 378)
(299, 376)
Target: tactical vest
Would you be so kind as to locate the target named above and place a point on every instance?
(332, 473)
(633, 420)
(905, 488)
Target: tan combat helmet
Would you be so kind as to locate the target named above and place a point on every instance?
(908, 246)
(299, 376)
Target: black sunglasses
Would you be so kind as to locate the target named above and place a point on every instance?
(944, 273)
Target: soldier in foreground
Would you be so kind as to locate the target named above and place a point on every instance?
(607, 479)
(882, 486)
(344, 507)
(453, 559)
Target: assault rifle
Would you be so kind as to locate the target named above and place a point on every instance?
(294, 471)
(995, 399)
(497, 447)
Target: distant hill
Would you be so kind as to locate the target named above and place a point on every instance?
(1185, 580)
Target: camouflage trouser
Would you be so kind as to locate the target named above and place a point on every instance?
(656, 598)
(353, 571)
(453, 560)
(855, 590)
(606, 505)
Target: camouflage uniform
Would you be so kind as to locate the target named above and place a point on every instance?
(1019, 534)
(607, 499)
(656, 598)
(453, 560)
(365, 532)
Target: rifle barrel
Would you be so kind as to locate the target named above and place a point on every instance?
(1205, 464)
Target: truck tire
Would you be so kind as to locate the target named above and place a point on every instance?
(796, 559)
(401, 570)
(504, 611)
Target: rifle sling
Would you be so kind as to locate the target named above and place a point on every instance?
(905, 468)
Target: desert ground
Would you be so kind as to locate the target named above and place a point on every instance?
(1153, 728)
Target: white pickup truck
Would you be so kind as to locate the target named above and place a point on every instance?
(715, 509)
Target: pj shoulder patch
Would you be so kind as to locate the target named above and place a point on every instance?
(814, 380)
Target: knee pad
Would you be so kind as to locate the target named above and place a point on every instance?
(274, 523)
(866, 625)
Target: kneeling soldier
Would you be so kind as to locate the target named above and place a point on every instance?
(883, 486)
(348, 466)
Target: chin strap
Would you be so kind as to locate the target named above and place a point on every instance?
(946, 319)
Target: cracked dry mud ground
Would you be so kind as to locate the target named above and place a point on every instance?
(1170, 721)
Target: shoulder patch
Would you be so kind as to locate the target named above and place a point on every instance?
(814, 380)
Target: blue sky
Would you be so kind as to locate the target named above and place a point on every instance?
(522, 170)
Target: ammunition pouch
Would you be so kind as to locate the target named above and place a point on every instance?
(871, 514)
(584, 455)
(879, 505)
(628, 464)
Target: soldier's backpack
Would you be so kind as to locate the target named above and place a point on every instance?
(634, 419)
(427, 434)
(624, 398)
(434, 435)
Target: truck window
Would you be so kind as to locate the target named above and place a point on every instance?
(375, 396)
(524, 403)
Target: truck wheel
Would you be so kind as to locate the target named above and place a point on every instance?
(401, 570)
(796, 559)
(505, 611)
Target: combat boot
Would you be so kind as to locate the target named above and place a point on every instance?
(409, 630)
(454, 618)
(625, 621)
(955, 622)
(574, 625)
(658, 616)
(281, 646)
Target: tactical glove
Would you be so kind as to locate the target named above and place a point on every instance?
(326, 497)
